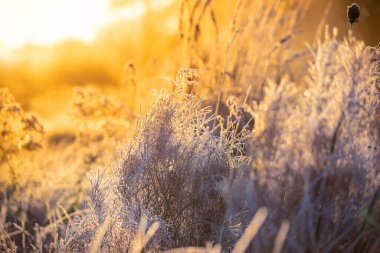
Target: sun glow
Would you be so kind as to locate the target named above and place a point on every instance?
(48, 21)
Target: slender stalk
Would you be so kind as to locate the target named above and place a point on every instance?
(224, 71)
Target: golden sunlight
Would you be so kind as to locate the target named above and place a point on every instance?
(49, 21)
(189, 126)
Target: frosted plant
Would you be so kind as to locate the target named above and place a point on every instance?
(174, 171)
(317, 162)
(18, 130)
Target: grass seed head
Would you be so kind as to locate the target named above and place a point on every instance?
(353, 13)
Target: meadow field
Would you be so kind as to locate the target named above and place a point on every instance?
(198, 126)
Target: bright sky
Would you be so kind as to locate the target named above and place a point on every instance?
(47, 21)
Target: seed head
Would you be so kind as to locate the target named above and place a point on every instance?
(353, 13)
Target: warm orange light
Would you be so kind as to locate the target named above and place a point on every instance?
(48, 21)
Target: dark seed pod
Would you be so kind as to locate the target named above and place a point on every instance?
(353, 13)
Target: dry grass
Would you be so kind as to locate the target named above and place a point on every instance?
(289, 162)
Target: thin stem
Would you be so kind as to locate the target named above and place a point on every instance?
(224, 71)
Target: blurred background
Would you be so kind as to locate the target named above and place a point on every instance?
(49, 46)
